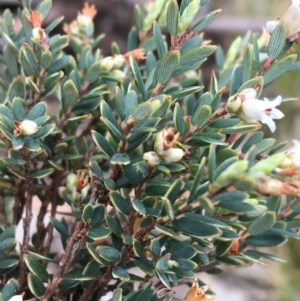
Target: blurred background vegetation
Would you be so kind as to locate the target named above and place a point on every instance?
(276, 281)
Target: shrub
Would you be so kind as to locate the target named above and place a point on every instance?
(166, 174)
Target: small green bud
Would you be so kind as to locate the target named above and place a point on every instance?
(71, 181)
(28, 127)
(151, 158)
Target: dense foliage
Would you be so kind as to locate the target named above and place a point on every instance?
(164, 170)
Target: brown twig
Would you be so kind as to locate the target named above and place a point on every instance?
(74, 245)
(27, 218)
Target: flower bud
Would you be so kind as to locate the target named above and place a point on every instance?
(71, 181)
(174, 155)
(291, 20)
(118, 61)
(234, 103)
(107, 64)
(118, 74)
(28, 127)
(151, 158)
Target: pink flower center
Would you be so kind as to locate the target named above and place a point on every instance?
(268, 111)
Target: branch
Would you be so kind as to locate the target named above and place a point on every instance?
(74, 245)
(28, 216)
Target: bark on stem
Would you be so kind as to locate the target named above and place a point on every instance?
(27, 218)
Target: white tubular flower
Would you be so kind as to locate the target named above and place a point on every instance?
(291, 19)
(293, 154)
(253, 110)
(250, 110)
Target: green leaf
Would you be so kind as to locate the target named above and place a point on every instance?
(28, 60)
(31, 145)
(234, 201)
(262, 224)
(120, 273)
(108, 114)
(277, 41)
(201, 116)
(8, 290)
(8, 263)
(188, 15)
(18, 109)
(196, 181)
(114, 225)
(104, 145)
(139, 206)
(59, 64)
(76, 277)
(109, 253)
(254, 139)
(178, 119)
(46, 59)
(96, 170)
(36, 286)
(120, 158)
(93, 72)
(44, 8)
(36, 267)
(144, 265)
(120, 203)
(266, 240)
(162, 264)
(59, 226)
(17, 89)
(184, 92)
(7, 244)
(160, 45)
(172, 17)
(53, 24)
(115, 131)
(132, 174)
(43, 173)
(264, 145)
(70, 95)
(195, 228)
(117, 294)
(11, 59)
(186, 264)
(98, 233)
(207, 20)
(99, 211)
(138, 77)
(87, 214)
(247, 64)
(205, 139)
(155, 247)
(137, 248)
(167, 66)
(193, 58)
(224, 123)
(278, 68)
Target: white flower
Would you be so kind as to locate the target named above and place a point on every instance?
(265, 111)
(250, 110)
(291, 20)
(293, 154)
